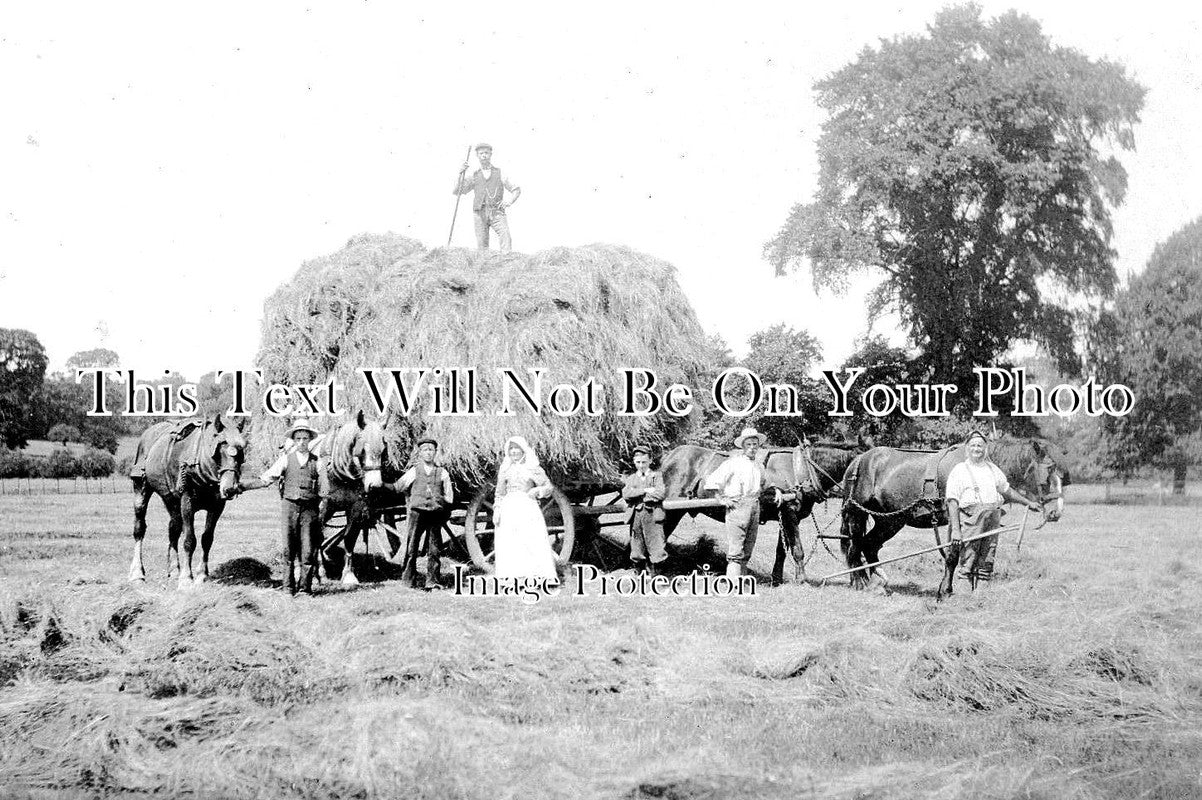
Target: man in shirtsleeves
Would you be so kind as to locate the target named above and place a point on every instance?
(975, 491)
(488, 203)
(430, 495)
(644, 492)
(739, 481)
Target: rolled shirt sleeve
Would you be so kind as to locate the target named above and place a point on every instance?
(276, 470)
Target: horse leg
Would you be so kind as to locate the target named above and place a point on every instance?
(324, 512)
(141, 499)
(797, 550)
(188, 515)
(852, 527)
(882, 531)
(788, 542)
(206, 539)
(175, 525)
(354, 521)
(951, 560)
(778, 566)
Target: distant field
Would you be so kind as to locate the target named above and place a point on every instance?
(1078, 674)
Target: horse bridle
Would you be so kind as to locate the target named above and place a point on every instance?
(812, 468)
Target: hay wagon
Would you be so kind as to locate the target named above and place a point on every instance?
(575, 512)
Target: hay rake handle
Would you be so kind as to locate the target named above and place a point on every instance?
(921, 552)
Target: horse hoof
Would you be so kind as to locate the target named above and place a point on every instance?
(349, 579)
(137, 579)
(201, 578)
(184, 584)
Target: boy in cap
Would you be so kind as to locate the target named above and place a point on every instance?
(298, 472)
(738, 481)
(488, 203)
(644, 492)
(429, 491)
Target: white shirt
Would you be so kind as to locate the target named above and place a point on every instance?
(276, 470)
(411, 475)
(971, 484)
(737, 477)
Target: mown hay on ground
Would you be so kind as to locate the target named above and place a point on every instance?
(385, 302)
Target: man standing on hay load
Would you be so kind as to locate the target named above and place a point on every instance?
(644, 492)
(429, 492)
(488, 204)
(739, 481)
(298, 472)
(975, 491)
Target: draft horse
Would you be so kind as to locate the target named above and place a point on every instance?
(358, 471)
(811, 473)
(193, 466)
(896, 487)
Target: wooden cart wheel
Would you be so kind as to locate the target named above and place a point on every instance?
(478, 532)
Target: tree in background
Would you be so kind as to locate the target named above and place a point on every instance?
(96, 357)
(971, 168)
(882, 363)
(22, 368)
(1152, 342)
(64, 433)
(62, 400)
(777, 355)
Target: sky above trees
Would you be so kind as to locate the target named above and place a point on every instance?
(165, 171)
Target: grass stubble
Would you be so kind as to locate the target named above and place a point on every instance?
(1076, 675)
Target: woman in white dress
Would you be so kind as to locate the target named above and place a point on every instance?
(522, 548)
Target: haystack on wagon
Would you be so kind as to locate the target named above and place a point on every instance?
(385, 302)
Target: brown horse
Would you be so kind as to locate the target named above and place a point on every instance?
(358, 470)
(811, 473)
(193, 466)
(896, 488)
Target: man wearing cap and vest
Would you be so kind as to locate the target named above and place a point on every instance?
(488, 203)
(644, 492)
(738, 481)
(297, 471)
(429, 499)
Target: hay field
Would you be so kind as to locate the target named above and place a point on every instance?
(1077, 675)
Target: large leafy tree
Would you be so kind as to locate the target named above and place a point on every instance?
(22, 368)
(973, 169)
(1151, 341)
(780, 355)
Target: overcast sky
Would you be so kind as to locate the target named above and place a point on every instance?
(165, 167)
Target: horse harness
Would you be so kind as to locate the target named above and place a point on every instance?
(930, 496)
(189, 463)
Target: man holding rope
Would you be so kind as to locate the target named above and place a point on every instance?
(975, 491)
(488, 203)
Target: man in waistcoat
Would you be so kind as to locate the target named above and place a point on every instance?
(488, 203)
(428, 487)
(297, 471)
(644, 492)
